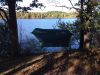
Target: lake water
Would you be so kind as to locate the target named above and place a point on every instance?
(26, 26)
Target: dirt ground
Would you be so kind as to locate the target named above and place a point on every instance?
(58, 63)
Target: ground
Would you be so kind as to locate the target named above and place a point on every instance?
(58, 63)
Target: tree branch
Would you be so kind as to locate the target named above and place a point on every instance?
(71, 3)
(73, 6)
(5, 15)
(77, 9)
(3, 18)
(67, 7)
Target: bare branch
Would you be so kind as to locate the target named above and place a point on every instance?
(77, 9)
(71, 3)
(73, 6)
(68, 7)
(5, 15)
(63, 6)
(3, 18)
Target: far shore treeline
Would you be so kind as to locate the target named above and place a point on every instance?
(43, 15)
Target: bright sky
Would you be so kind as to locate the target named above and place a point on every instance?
(50, 5)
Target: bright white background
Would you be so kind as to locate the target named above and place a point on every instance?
(50, 5)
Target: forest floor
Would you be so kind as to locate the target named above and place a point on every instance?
(58, 63)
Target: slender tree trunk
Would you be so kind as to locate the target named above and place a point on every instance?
(87, 32)
(12, 24)
(84, 33)
(82, 30)
(86, 39)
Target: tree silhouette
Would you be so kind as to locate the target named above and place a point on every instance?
(86, 15)
(12, 22)
(12, 25)
(87, 22)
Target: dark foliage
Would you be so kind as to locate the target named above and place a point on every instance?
(4, 40)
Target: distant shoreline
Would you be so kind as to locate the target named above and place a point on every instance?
(45, 15)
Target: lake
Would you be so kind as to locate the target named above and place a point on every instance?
(26, 26)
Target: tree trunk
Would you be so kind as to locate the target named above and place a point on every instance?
(88, 19)
(86, 44)
(82, 30)
(84, 39)
(84, 33)
(12, 24)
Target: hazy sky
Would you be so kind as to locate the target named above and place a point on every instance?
(50, 5)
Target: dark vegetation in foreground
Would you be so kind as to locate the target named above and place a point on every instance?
(73, 62)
